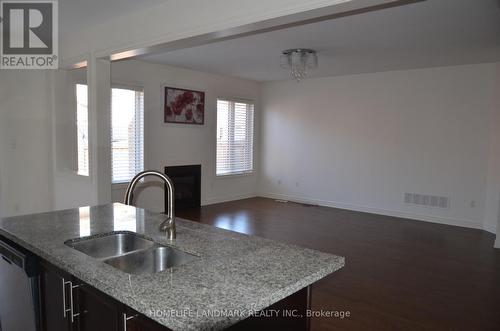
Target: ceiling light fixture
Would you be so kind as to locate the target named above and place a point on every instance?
(298, 61)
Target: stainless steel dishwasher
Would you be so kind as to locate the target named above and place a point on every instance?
(19, 289)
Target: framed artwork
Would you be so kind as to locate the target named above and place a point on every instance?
(184, 106)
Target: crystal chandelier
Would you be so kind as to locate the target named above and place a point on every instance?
(298, 61)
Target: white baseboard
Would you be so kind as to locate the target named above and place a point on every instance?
(214, 200)
(393, 213)
(492, 228)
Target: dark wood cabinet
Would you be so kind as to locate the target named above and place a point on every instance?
(54, 299)
(69, 304)
(289, 314)
(95, 311)
(141, 323)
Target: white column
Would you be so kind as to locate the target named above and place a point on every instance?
(100, 101)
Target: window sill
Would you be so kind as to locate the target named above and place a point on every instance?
(119, 186)
(74, 175)
(234, 175)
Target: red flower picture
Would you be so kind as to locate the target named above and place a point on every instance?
(184, 106)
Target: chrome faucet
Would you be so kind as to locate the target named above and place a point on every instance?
(168, 226)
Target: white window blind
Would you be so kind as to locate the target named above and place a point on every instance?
(82, 128)
(234, 137)
(127, 133)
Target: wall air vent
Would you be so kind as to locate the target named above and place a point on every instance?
(427, 200)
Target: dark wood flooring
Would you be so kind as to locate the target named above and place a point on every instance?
(399, 274)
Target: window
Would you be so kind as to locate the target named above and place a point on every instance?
(82, 128)
(127, 133)
(234, 137)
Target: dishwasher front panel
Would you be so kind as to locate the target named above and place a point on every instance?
(19, 295)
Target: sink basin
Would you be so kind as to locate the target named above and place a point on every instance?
(151, 260)
(115, 244)
(132, 254)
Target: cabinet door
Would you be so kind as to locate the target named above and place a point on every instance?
(96, 311)
(291, 311)
(141, 323)
(54, 299)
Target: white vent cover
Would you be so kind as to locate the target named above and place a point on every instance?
(427, 200)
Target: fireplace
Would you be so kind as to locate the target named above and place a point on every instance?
(187, 186)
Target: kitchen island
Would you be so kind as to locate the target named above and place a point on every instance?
(234, 276)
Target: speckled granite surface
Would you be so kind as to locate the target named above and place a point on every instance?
(235, 273)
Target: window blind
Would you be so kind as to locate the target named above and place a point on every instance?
(127, 133)
(234, 137)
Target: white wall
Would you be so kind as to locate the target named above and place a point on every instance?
(164, 24)
(25, 143)
(169, 144)
(29, 130)
(359, 142)
(375, 136)
(37, 117)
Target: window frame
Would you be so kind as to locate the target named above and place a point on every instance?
(138, 87)
(240, 173)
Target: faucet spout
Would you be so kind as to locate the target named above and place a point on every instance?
(168, 226)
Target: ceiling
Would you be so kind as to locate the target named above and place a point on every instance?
(77, 15)
(424, 34)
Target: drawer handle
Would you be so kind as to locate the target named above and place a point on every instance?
(71, 304)
(65, 310)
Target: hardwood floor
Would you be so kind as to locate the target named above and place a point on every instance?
(399, 275)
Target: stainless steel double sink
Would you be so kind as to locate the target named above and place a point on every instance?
(131, 253)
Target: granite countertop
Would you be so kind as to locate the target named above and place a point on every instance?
(236, 272)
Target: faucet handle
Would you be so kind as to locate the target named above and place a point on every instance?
(168, 226)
